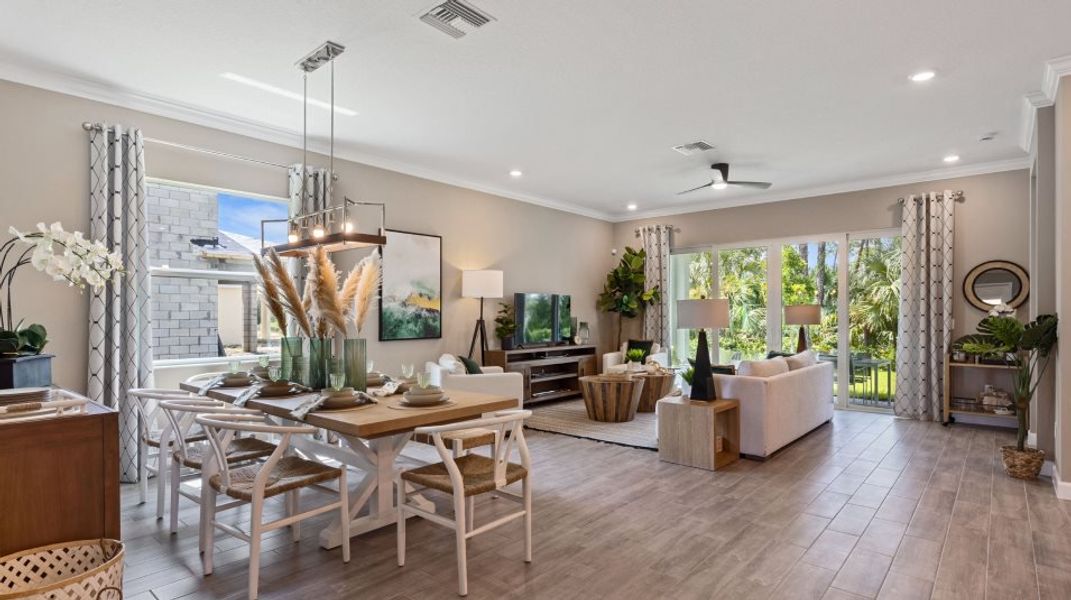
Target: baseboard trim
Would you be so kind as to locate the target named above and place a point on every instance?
(1061, 487)
(1048, 468)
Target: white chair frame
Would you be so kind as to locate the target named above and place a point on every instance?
(503, 422)
(180, 414)
(221, 429)
(146, 402)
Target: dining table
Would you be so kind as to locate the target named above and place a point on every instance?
(372, 439)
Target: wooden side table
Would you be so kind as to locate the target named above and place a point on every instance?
(611, 399)
(698, 434)
(655, 386)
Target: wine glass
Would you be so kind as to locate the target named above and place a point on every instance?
(408, 370)
(337, 381)
(371, 366)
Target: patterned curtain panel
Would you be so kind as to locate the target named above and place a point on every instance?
(120, 339)
(655, 240)
(925, 323)
(318, 190)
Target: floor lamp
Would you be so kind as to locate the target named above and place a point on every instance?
(803, 315)
(703, 315)
(480, 284)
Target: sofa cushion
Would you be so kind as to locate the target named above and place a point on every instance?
(763, 368)
(471, 367)
(451, 364)
(806, 358)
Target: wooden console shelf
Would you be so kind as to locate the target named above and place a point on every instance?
(550, 373)
(963, 382)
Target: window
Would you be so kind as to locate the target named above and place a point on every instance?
(809, 276)
(742, 279)
(205, 302)
(690, 279)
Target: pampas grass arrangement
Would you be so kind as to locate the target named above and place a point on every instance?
(368, 278)
(327, 305)
(288, 294)
(271, 293)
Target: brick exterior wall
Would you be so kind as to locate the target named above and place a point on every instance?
(185, 312)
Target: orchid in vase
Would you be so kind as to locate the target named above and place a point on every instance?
(65, 256)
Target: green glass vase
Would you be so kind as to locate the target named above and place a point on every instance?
(320, 354)
(355, 352)
(291, 351)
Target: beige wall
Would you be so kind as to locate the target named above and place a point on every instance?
(1043, 267)
(1063, 281)
(992, 223)
(43, 164)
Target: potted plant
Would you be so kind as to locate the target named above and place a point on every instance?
(65, 256)
(505, 325)
(1028, 348)
(634, 358)
(687, 376)
(624, 293)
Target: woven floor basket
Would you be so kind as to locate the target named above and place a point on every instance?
(1022, 465)
(84, 570)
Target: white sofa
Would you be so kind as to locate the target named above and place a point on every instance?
(777, 410)
(615, 361)
(492, 381)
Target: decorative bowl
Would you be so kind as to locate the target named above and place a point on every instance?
(422, 399)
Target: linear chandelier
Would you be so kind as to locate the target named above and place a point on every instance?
(331, 226)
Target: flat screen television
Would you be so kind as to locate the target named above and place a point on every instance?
(542, 319)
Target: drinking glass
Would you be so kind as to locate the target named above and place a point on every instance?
(274, 373)
(234, 366)
(371, 365)
(408, 370)
(338, 381)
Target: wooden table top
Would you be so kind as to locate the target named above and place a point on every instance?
(375, 420)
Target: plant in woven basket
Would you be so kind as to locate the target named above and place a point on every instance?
(1029, 349)
(624, 292)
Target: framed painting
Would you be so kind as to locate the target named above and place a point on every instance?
(410, 306)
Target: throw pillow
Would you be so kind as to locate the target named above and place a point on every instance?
(801, 360)
(471, 366)
(763, 368)
(723, 369)
(644, 345)
(776, 353)
(451, 364)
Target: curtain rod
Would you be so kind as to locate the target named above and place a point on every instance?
(956, 195)
(99, 127)
(671, 228)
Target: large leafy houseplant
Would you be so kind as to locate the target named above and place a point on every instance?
(505, 325)
(624, 293)
(65, 256)
(1026, 347)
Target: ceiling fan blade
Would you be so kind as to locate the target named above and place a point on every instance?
(696, 189)
(762, 185)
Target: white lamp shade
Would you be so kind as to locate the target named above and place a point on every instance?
(481, 284)
(703, 314)
(803, 314)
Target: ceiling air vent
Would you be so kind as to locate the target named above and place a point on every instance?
(456, 18)
(693, 148)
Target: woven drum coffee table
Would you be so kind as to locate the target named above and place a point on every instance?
(655, 387)
(611, 399)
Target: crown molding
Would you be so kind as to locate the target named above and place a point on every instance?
(1054, 69)
(73, 85)
(838, 188)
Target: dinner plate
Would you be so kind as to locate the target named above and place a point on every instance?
(272, 390)
(411, 399)
(337, 402)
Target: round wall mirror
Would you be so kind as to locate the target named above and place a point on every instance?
(996, 282)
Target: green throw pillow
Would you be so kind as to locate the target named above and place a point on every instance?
(471, 366)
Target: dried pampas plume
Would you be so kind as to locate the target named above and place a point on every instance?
(326, 302)
(271, 293)
(289, 297)
(367, 285)
(349, 289)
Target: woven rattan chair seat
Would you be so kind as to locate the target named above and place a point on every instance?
(470, 438)
(478, 473)
(290, 473)
(155, 441)
(239, 450)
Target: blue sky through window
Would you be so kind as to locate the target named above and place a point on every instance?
(242, 215)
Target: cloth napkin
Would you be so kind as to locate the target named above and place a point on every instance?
(389, 388)
(247, 394)
(315, 402)
(215, 381)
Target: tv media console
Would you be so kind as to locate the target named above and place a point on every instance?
(550, 372)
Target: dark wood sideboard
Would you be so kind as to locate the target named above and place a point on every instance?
(59, 479)
(550, 373)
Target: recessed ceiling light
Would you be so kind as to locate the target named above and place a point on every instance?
(720, 185)
(951, 158)
(631, 207)
(278, 91)
(516, 173)
(922, 76)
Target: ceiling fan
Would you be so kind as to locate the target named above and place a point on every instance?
(721, 181)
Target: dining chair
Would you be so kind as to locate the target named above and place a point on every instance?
(191, 456)
(468, 476)
(154, 431)
(282, 473)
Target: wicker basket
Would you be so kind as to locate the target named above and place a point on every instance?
(83, 570)
(1025, 464)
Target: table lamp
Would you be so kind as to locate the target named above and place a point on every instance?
(480, 284)
(703, 315)
(803, 315)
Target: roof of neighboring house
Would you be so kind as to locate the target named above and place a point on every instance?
(234, 246)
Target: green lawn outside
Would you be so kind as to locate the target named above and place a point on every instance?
(886, 387)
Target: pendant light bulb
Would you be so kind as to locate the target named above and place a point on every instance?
(350, 227)
(292, 237)
(318, 231)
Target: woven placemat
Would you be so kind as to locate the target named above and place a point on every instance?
(399, 406)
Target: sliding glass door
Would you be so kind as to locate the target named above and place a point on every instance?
(853, 278)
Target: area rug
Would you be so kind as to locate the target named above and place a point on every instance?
(568, 417)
